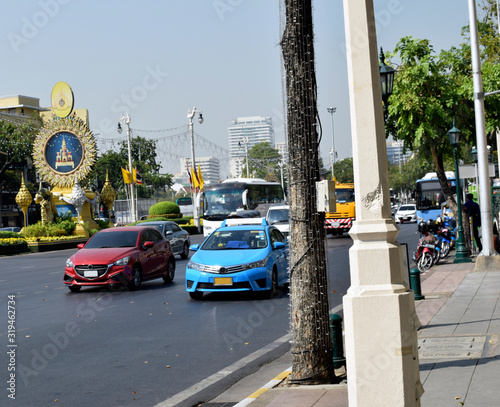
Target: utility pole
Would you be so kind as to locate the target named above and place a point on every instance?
(312, 352)
(190, 116)
(333, 152)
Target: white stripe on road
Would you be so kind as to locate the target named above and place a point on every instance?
(191, 391)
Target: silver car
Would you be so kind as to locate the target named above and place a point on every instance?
(178, 237)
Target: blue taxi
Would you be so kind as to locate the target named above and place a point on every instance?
(240, 257)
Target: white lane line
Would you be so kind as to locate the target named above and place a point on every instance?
(191, 391)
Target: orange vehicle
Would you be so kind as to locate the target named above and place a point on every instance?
(340, 221)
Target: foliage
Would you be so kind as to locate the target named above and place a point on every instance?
(59, 228)
(16, 140)
(143, 153)
(164, 207)
(102, 224)
(264, 162)
(344, 171)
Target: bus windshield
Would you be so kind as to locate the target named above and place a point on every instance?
(220, 203)
(227, 198)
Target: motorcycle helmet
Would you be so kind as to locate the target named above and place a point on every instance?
(422, 227)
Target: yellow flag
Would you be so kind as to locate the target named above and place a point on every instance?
(127, 176)
(200, 178)
(194, 179)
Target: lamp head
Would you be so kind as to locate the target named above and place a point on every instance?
(119, 129)
(200, 118)
(454, 135)
(386, 76)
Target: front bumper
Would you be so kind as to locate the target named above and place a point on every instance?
(113, 275)
(257, 279)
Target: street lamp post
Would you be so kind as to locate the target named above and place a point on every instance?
(333, 153)
(126, 120)
(190, 116)
(461, 254)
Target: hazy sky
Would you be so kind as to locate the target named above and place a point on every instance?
(155, 59)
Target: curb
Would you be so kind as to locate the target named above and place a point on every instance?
(269, 385)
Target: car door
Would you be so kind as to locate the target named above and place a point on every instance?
(151, 258)
(280, 255)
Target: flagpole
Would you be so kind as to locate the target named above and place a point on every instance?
(190, 116)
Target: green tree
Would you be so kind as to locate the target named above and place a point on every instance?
(143, 154)
(264, 162)
(16, 145)
(344, 171)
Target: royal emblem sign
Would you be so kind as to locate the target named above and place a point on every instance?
(65, 151)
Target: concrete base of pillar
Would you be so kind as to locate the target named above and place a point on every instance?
(381, 370)
(487, 263)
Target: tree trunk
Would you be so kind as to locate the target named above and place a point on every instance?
(311, 343)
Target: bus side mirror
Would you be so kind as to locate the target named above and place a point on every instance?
(198, 201)
(244, 197)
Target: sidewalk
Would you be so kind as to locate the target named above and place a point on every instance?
(458, 346)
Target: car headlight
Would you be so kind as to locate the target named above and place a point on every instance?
(255, 264)
(69, 263)
(195, 266)
(122, 262)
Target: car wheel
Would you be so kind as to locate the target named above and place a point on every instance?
(273, 292)
(170, 272)
(75, 288)
(136, 279)
(185, 251)
(196, 295)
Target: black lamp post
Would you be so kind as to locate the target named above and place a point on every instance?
(461, 254)
(386, 80)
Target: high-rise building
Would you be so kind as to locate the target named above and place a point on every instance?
(395, 153)
(245, 132)
(209, 166)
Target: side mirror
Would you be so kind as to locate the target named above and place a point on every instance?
(278, 245)
(80, 246)
(148, 245)
(169, 232)
(194, 247)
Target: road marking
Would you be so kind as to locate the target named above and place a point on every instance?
(191, 391)
(269, 385)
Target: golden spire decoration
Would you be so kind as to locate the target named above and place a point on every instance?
(108, 194)
(24, 199)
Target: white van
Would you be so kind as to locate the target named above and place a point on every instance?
(279, 216)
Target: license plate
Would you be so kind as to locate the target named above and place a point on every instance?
(90, 273)
(223, 281)
(335, 225)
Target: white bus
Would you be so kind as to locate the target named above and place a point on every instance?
(238, 198)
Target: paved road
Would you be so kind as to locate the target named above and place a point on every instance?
(140, 348)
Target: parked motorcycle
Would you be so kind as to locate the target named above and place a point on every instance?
(426, 254)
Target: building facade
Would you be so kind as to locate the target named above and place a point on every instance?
(209, 166)
(243, 134)
(395, 153)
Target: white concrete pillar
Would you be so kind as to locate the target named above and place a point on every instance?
(379, 309)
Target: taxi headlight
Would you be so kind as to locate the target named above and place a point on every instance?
(255, 264)
(195, 266)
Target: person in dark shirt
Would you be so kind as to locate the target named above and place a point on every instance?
(474, 212)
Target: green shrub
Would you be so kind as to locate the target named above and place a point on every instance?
(102, 223)
(164, 208)
(59, 228)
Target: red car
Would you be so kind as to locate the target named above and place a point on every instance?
(121, 256)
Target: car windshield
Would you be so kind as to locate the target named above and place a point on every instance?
(113, 239)
(277, 215)
(235, 239)
(407, 208)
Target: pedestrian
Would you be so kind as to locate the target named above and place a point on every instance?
(474, 212)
